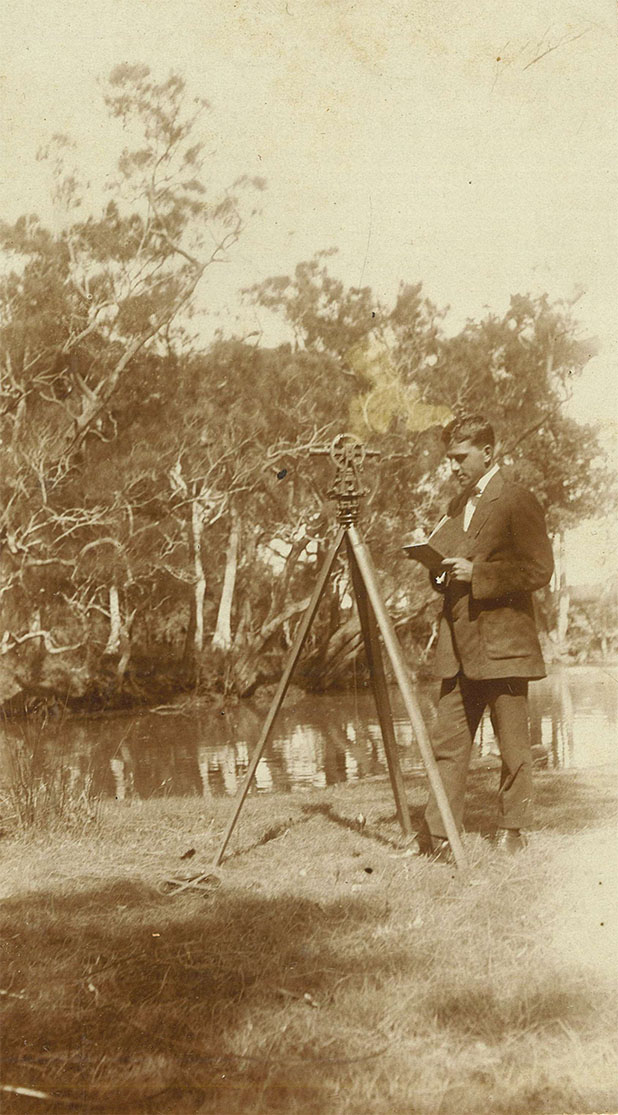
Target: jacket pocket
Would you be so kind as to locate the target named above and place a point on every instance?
(508, 633)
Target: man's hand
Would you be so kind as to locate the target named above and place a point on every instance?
(459, 568)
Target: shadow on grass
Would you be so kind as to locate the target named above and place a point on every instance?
(564, 801)
(352, 824)
(120, 1000)
(490, 1017)
(568, 801)
(273, 832)
(123, 1000)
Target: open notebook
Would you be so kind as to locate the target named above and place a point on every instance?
(425, 553)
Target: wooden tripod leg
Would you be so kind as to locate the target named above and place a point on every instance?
(373, 653)
(277, 701)
(368, 573)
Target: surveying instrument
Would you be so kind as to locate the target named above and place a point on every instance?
(348, 456)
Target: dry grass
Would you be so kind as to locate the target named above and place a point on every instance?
(325, 973)
(40, 790)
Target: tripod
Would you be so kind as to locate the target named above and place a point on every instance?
(348, 455)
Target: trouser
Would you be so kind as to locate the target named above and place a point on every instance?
(460, 708)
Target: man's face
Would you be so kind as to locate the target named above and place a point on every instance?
(469, 462)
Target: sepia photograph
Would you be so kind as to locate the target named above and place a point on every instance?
(308, 557)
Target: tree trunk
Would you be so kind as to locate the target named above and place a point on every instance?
(562, 596)
(115, 621)
(119, 639)
(222, 638)
(248, 665)
(197, 529)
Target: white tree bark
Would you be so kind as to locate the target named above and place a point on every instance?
(115, 621)
(222, 638)
(197, 529)
(562, 595)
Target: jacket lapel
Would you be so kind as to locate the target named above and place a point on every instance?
(450, 534)
(484, 506)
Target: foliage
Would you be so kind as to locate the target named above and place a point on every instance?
(161, 514)
(593, 623)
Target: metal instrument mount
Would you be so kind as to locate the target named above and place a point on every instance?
(348, 455)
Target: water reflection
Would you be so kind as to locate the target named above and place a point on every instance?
(321, 741)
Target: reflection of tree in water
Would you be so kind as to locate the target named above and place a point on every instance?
(352, 743)
(217, 767)
(536, 724)
(562, 740)
(486, 742)
(302, 754)
(364, 749)
(121, 766)
(609, 696)
(576, 712)
(95, 748)
(333, 739)
(327, 740)
(222, 751)
(340, 748)
(263, 777)
(147, 770)
(335, 750)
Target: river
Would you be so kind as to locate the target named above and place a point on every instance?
(318, 741)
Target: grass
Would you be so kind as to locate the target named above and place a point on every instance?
(319, 970)
(40, 789)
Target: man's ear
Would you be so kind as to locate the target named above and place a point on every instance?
(488, 451)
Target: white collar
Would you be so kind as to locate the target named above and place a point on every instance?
(484, 481)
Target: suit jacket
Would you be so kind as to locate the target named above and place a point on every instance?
(487, 628)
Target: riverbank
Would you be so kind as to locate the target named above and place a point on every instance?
(319, 969)
(152, 690)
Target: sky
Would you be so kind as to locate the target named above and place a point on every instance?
(470, 146)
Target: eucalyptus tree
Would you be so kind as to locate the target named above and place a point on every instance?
(408, 376)
(519, 367)
(261, 413)
(85, 311)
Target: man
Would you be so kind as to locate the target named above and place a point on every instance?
(487, 649)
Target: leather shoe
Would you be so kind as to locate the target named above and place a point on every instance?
(411, 848)
(441, 849)
(511, 841)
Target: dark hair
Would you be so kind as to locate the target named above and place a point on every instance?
(469, 427)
